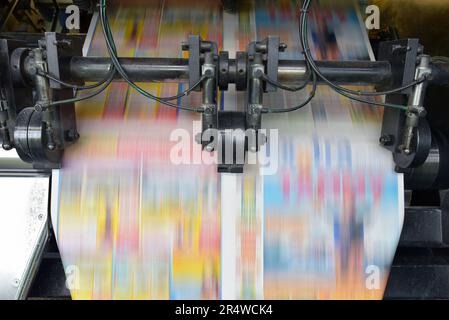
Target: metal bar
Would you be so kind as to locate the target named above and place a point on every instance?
(54, 18)
(254, 93)
(9, 11)
(139, 69)
(210, 106)
(90, 33)
(342, 72)
(177, 70)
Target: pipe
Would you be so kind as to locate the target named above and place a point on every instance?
(94, 69)
(177, 70)
(341, 72)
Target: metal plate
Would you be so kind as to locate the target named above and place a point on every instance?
(23, 231)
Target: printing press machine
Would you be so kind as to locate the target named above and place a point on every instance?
(34, 133)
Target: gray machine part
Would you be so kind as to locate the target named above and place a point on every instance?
(24, 231)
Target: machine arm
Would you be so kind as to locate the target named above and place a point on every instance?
(40, 134)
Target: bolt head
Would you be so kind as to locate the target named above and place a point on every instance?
(208, 73)
(385, 140)
(16, 282)
(6, 146)
(258, 73)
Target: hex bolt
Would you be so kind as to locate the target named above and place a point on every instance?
(386, 140)
(38, 107)
(282, 47)
(258, 73)
(208, 73)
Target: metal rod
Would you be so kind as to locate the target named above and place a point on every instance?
(342, 72)
(209, 93)
(177, 70)
(255, 93)
(139, 69)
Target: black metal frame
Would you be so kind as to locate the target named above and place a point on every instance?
(421, 258)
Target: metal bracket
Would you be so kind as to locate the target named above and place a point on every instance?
(270, 48)
(402, 55)
(196, 48)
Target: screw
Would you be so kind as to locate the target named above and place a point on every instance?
(72, 135)
(386, 140)
(208, 73)
(16, 282)
(282, 47)
(51, 146)
(258, 73)
(38, 107)
(422, 112)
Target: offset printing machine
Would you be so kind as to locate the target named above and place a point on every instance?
(37, 123)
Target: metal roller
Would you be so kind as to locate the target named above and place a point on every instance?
(30, 140)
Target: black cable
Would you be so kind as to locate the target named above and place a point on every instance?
(303, 104)
(311, 61)
(185, 92)
(113, 53)
(110, 44)
(340, 90)
(89, 96)
(74, 86)
(284, 87)
(92, 86)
